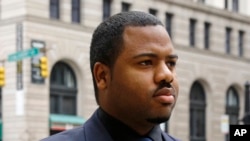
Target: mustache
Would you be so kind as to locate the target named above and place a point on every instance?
(164, 84)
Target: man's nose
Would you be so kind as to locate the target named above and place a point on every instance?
(163, 73)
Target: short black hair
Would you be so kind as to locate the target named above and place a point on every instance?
(107, 39)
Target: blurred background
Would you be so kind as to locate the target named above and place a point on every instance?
(45, 79)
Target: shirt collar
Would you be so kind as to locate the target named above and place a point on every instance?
(120, 131)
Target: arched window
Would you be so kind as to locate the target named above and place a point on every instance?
(197, 113)
(63, 91)
(232, 105)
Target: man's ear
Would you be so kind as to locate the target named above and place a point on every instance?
(101, 75)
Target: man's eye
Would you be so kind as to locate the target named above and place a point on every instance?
(146, 63)
(171, 64)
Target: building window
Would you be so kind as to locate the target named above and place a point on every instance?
(63, 91)
(228, 38)
(206, 35)
(226, 4)
(106, 7)
(235, 5)
(232, 107)
(169, 17)
(232, 5)
(201, 1)
(153, 11)
(125, 6)
(76, 11)
(241, 43)
(197, 113)
(192, 32)
(54, 9)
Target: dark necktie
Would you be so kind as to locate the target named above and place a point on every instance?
(145, 139)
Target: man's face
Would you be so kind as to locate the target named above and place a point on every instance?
(138, 91)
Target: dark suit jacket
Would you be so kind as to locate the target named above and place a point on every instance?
(92, 130)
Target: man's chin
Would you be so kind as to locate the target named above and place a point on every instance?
(158, 120)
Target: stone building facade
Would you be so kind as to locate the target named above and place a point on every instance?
(211, 38)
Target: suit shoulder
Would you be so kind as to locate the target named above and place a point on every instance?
(76, 134)
(169, 137)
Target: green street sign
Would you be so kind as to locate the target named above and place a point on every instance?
(23, 54)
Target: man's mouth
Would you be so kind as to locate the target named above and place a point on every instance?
(165, 95)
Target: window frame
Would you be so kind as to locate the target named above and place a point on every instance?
(228, 40)
(197, 113)
(106, 9)
(169, 20)
(76, 11)
(232, 110)
(192, 29)
(60, 92)
(54, 9)
(226, 4)
(235, 5)
(207, 28)
(153, 11)
(125, 6)
(241, 43)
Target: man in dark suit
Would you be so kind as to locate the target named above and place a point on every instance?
(133, 65)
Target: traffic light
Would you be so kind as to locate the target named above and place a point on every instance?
(2, 76)
(44, 67)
